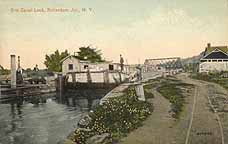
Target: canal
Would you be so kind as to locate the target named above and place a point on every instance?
(46, 119)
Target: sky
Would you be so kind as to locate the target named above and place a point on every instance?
(137, 29)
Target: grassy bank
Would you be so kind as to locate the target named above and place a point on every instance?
(173, 89)
(212, 77)
(117, 118)
(149, 85)
(147, 91)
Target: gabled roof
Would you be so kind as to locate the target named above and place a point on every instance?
(216, 55)
(65, 58)
(211, 49)
(84, 61)
(215, 52)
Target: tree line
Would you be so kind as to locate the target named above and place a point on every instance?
(53, 61)
(4, 71)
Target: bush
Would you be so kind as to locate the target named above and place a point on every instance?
(148, 94)
(118, 117)
(212, 77)
(147, 90)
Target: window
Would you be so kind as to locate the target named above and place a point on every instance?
(214, 60)
(111, 67)
(86, 66)
(219, 60)
(70, 67)
(203, 60)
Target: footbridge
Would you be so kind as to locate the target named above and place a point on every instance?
(163, 64)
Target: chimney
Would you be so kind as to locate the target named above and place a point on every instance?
(19, 63)
(208, 45)
(13, 71)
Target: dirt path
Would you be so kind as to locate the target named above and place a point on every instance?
(205, 127)
(192, 116)
(220, 95)
(160, 127)
(204, 119)
(154, 125)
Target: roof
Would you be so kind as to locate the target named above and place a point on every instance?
(208, 50)
(216, 55)
(81, 61)
(84, 61)
(66, 58)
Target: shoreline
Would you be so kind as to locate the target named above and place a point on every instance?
(114, 98)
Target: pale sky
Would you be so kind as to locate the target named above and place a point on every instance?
(137, 29)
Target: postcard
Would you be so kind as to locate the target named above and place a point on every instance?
(113, 72)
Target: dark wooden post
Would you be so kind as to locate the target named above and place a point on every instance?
(89, 79)
(73, 77)
(59, 84)
(120, 77)
(106, 76)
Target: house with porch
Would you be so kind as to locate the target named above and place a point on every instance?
(214, 59)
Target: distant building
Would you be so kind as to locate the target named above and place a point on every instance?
(72, 64)
(215, 59)
(163, 64)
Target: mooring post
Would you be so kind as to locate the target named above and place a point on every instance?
(60, 84)
(0, 91)
(60, 87)
(139, 86)
(73, 77)
(120, 77)
(140, 91)
(89, 79)
(13, 71)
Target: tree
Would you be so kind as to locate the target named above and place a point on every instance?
(91, 54)
(52, 61)
(1, 67)
(4, 71)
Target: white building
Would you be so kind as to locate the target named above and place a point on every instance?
(72, 64)
(76, 71)
(215, 59)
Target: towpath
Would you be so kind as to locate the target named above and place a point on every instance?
(200, 122)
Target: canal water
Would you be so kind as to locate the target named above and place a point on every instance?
(47, 119)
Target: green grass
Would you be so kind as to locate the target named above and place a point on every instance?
(118, 117)
(171, 90)
(212, 77)
(148, 94)
(147, 90)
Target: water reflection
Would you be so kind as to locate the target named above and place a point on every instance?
(45, 119)
(72, 100)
